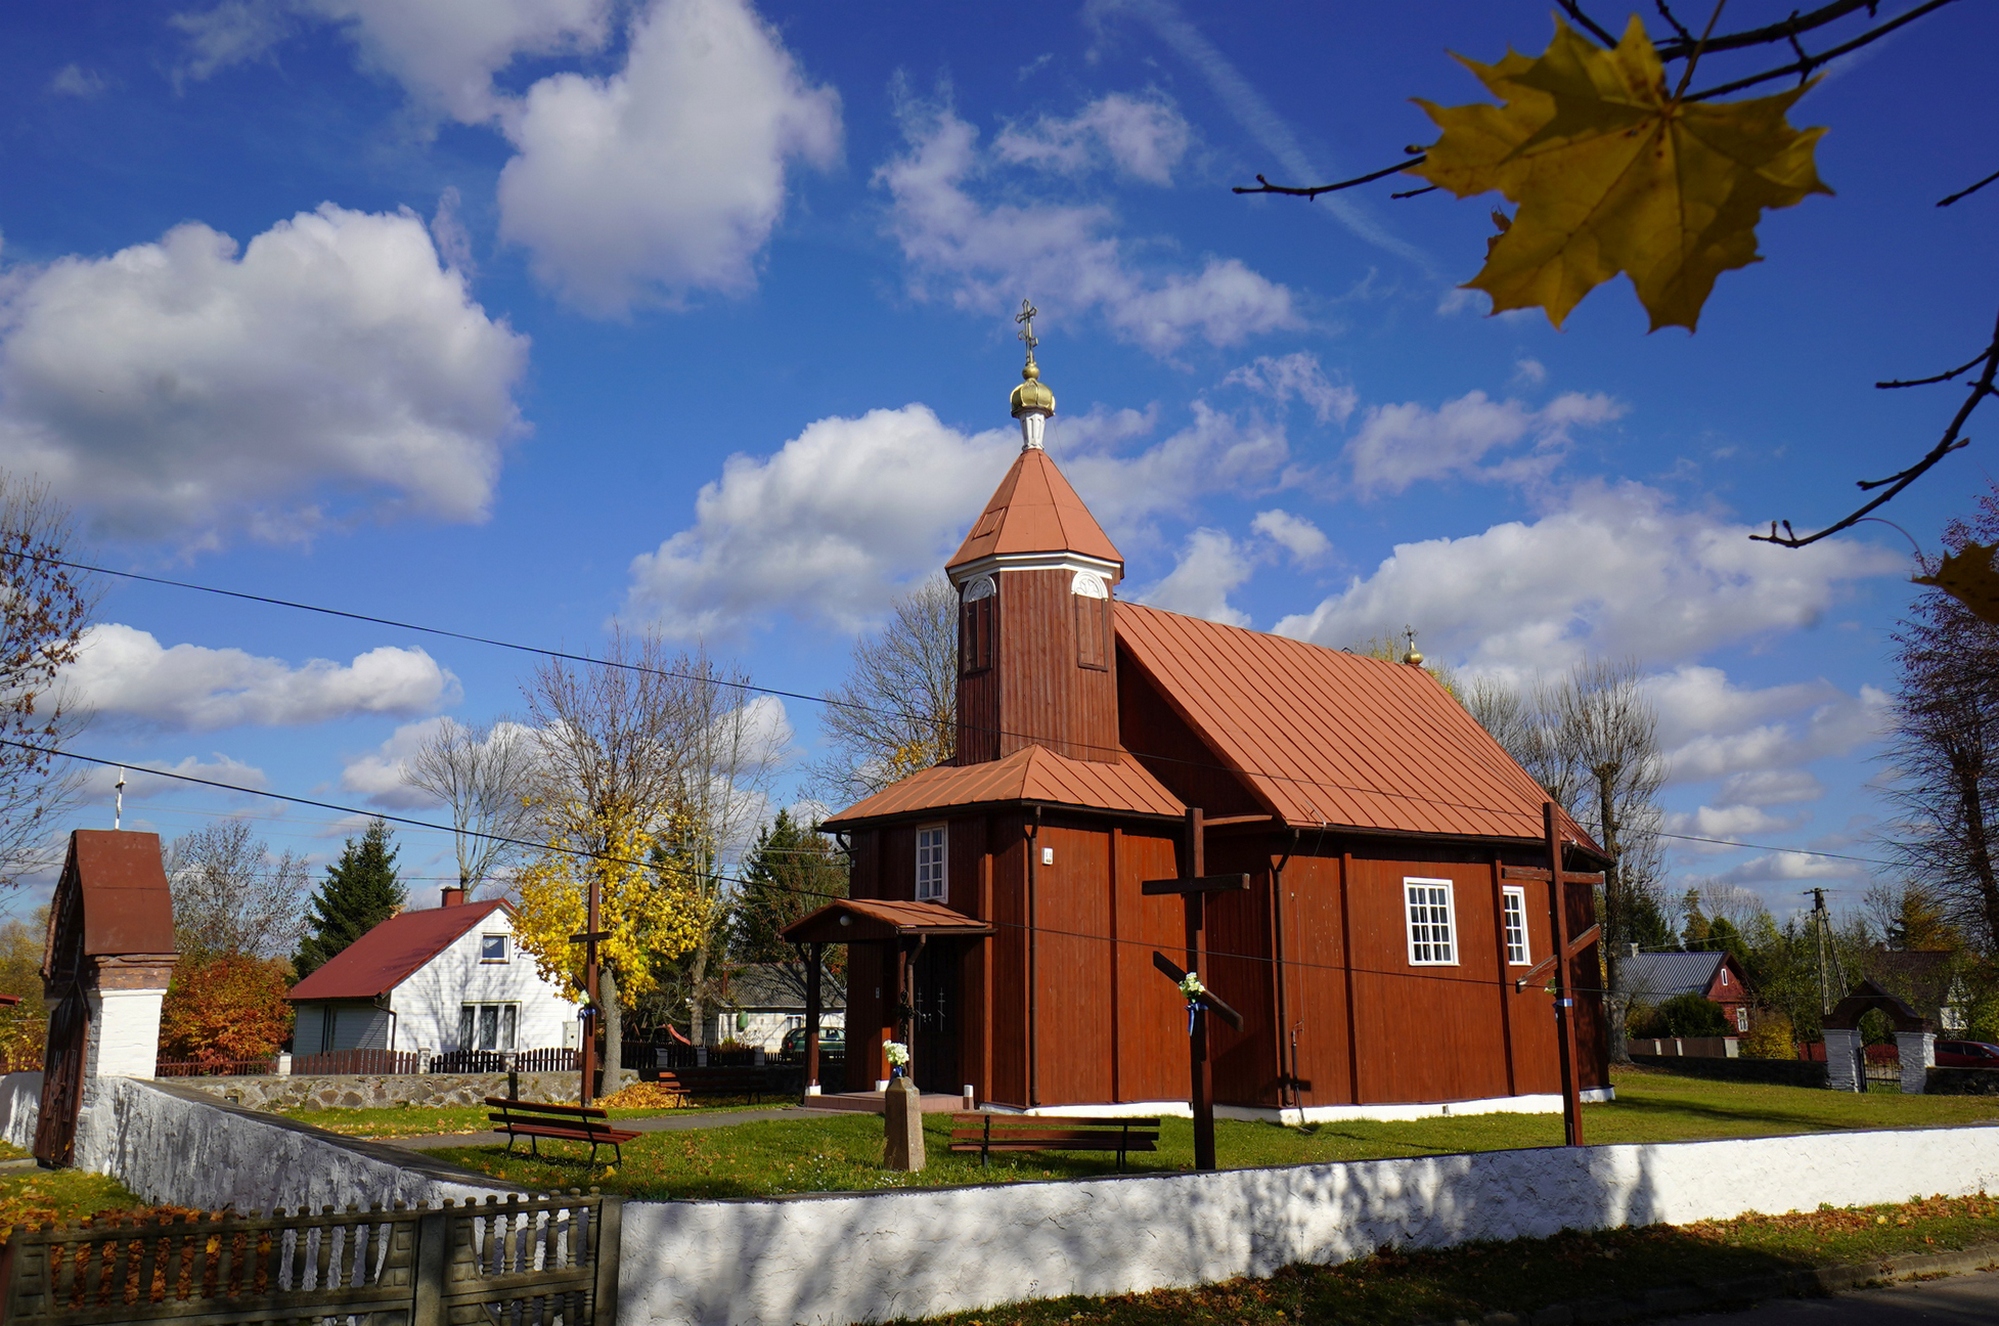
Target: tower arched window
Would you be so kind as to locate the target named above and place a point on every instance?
(977, 622)
(1092, 600)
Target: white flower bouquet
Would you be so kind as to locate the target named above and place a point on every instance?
(897, 1052)
(1191, 987)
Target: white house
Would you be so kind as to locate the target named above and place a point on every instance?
(449, 978)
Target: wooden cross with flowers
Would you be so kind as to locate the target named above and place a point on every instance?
(1193, 887)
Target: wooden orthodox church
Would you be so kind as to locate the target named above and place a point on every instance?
(1391, 946)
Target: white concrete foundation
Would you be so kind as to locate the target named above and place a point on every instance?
(1180, 1109)
(863, 1257)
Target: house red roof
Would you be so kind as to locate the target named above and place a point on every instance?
(1324, 737)
(1032, 774)
(1034, 510)
(383, 958)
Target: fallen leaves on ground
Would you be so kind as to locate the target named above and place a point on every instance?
(1614, 173)
(644, 1096)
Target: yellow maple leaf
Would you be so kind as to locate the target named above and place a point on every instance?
(1613, 173)
(1967, 576)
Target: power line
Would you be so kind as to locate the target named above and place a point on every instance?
(752, 688)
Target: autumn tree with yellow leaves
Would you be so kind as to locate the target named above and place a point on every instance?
(1617, 160)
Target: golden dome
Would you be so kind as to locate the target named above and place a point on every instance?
(1032, 393)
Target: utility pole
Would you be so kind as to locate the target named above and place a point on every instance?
(1832, 981)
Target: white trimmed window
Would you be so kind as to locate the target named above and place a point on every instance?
(930, 864)
(1515, 901)
(492, 948)
(1432, 923)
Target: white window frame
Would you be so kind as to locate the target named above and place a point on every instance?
(933, 880)
(1512, 906)
(506, 949)
(1430, 951)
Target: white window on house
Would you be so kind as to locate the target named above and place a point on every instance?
(488, 1026)
(930, 864)
(1432, 923)
(1742, 1019)
(1724, 974)
(492, 948)
(1516, 927)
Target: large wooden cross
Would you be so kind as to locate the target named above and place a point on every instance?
(1567, 950)
(1194, 887)
(588, 939)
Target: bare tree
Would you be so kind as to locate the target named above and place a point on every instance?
(231, 896)
(485, 775)
(897, 711)
(1592, 740)
(734, 747)
(1945, 747)
(43, 612)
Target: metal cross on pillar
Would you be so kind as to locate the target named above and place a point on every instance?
(1194, 887)
(588, 939)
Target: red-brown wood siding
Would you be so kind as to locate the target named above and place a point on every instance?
(1008, 953)
(1239, 970)
(1161, 741)
(866, 974)
(1046, 696)
(1072, 904)
(1151, 1016)
(979, 696)
(1316, 978)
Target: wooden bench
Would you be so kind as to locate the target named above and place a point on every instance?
(985, 1133)
(744, 1080)
(571, 1123)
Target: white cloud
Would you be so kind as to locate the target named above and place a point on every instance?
(1297, 375)
(826, 528)
(122, 671)
(851, 510)
(1771, 787)
(1782, 867)
(983, 256)
(1727, 822)
(1306, 542)
(1400, 444)
(1211, 565)
(150, 780)
(445, 52)
(1617, 571)
(176, 387)
(669, 175)
(379, 774)
(1834, 725)
(73, 80)
(1530, 372)
(1142, 137)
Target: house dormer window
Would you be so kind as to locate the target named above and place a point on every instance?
(976, 626)
(493, 948)
(930, 863)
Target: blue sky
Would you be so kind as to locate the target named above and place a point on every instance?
(520, 317)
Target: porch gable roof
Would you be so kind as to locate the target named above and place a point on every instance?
(874, 920)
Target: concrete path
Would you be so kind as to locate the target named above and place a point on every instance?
(1957, 1300)
(660, 1123)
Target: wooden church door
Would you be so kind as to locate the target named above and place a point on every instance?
(935, 1009)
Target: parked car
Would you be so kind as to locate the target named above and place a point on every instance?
(1967, 1054)
(831, 1041)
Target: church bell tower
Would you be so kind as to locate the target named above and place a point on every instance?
(1037, 659)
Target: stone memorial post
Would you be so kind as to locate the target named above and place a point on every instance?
(902, 1112)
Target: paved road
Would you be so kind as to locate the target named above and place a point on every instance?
(661, 1123)
(1957, 1300)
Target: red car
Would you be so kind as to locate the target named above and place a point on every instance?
(1967, 1054)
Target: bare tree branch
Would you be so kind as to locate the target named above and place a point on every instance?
(1895, 483)
(1314, 190)
(1804, 66)
(1575, 11)
(485, 775)
(1966, 193)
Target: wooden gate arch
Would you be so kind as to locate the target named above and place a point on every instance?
(111, 932)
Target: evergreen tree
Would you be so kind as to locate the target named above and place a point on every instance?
(361, 891)
(791, 870)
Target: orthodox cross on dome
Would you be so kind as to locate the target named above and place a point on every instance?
(1026, 334)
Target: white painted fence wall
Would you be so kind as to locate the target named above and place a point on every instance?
(866, 1257)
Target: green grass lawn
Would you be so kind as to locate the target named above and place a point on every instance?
(433, 1120)
(1524, 1275)
(8, 1151)
(54, 1196)
(844, 1154)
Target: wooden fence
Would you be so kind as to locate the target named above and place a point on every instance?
(548, 1260)
(221, 1068)
(334, 1062)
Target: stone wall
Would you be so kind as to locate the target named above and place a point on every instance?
(379, 1091)
(1963, 1082)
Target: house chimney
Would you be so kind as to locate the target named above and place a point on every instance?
(454, 895)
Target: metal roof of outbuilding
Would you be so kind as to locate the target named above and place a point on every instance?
(1663, 975)
(390, 953)
(127, 906)
(1325, 737)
